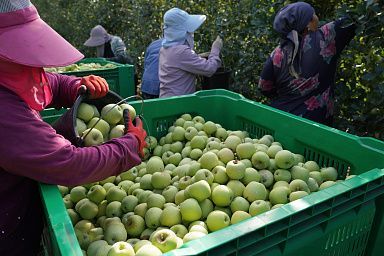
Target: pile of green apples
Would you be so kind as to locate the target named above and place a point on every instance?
(197, 179)
(96, 127)
(80, 67)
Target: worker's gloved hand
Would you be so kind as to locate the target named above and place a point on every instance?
(204, 54)
(97, 87)
(218, 43)
(136, 130)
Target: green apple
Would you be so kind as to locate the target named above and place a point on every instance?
(155, 200)
(102, 208)
(327, 184)
(131, 109)
(281, 183)
(125, 185)
(117, 131)
(146, 233)
(260, 160)
(255, 191)
(199, 190)
(329, 173)
(179, 122)
(299, 172)
(298, 185)
(160, 180)
(273, 149)
(204, 174)
(217, 220)
(239, 204)
(190, 210)
(221, 134)
(266, 178)
(235, 169)
(212, 145)
(206, 207)
(134, 225)
(184, 182)
(96, 193)
(285, 159)
(67, 201)
(146, 181)
(261, 148)
(245, 150)
(186, 152)
(170, 216)
(316, 175)
(131, 174)
(151, 217)
(276, 206)
(77, 193)
(100, 125)
(227, 210)
(134, 187)
(220, 175)
(169, 193)
(148, 250)
(198, 119)
(196, 153)
(143, 196)
(129, 203)
(180, 197)
(155, 164)
(198, 142)
(112, 113)
(157, 151)
(177, 146)
(190, 132)
(312, 185)
(311, 166)
(188, 123)
(237, 187)
(258, 207)
(250, 174)
(282, 175)
(80, 126)
(192, 236)
(299, 159)
(141, 243)
(231, 142)
(194, 166)
(115, 194)
(209, 160)
(73, 216)
(178, 134)
(209, 128)
(88, 210)
(92, 137)
(121, 249)
(115, 232)
(296, 195)
(198, 228)
(239, 216)
(133, 241)
(222, 195)
(85, 112)
(95, 246)
(180, 230)
(140, 209)
(165, 240)
(279, 195)
(113, 209)
(225, 155)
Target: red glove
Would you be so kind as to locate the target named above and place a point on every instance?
(136, 130)
(97, 86)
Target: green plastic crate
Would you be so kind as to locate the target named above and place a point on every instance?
(120, 79)
(345, 219)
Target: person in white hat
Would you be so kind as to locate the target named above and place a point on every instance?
(30, 150)
(108, 46)
(178, 63)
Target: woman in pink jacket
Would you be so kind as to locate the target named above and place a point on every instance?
(30, 150)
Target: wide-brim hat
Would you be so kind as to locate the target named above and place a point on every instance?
(98, 36)
(180, 19)
(26, 39)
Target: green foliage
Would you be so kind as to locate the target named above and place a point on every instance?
(246, 27)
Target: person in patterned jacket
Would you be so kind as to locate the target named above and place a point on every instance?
(299, 74)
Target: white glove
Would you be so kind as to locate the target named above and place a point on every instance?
(218, 43)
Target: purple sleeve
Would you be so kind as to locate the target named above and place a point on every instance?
(193, 63)
(31, 148)
(64, 89)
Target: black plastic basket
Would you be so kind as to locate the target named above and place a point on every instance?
(221, 79)
(66, 124)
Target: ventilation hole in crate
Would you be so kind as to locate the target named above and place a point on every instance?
(255, 131)
(162, 126)
(325, 160)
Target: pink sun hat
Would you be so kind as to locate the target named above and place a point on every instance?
(26, 39)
